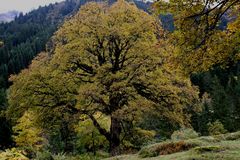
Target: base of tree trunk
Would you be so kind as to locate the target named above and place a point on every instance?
(115, 136)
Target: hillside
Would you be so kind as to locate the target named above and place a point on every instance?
(28, 34)
(220, 147)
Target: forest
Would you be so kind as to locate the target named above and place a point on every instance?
(121, 80)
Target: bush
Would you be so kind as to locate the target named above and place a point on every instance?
(228, 136)
(60, 156)
(184, 134)
(232, 136)
(209, 139)
(165, 148)
(45, 155)
(142, 137)
(216, 128)
(13, 154)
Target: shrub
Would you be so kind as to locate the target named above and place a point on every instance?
(60, 156)
(209, 139)
(228, 136)
(216, 128)
(29, 135)
(45, 155)
(165, 148)
(232, 136)
(184, 134)
(13, 154)
(141, 137)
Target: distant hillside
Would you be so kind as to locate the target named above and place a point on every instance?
(27, 35)
(9, 16)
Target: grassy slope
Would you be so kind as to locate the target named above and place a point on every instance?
(223, 147)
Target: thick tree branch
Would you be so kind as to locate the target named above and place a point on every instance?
(101, 130)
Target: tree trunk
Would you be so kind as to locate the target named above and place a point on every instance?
(113, 136)
(115, 132)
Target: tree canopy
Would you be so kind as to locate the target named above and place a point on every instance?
(206, 32)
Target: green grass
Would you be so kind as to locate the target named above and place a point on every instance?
(222, 147)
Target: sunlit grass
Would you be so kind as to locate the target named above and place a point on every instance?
(223, 147)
